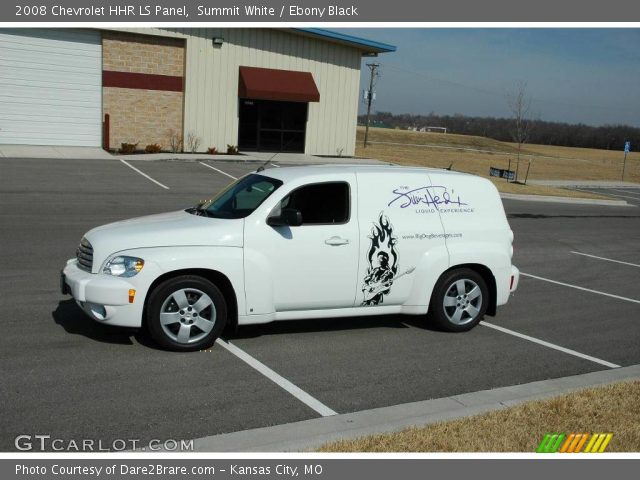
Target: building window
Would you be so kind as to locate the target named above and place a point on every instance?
(272, 126)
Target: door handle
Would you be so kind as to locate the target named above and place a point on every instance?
(334, 241)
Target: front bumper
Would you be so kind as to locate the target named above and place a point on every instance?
(104, 298)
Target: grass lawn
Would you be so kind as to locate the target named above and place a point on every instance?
(544, 162)
(611, 408)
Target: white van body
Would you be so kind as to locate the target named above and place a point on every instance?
(401, 231)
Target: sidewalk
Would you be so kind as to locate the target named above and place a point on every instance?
(261, 157)
(48, 151)
(573, 200)
(585, 183)
(90, 153)
(311, 434)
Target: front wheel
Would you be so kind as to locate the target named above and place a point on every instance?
(186, 313)
(459, 300)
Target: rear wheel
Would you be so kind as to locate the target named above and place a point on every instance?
(459, 300)
(186, 313)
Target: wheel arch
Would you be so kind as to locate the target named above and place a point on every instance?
(219, 279)
(487, 275)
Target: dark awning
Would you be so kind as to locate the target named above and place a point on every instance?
(271, 84)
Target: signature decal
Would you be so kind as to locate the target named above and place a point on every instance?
(432, 196)
(383, 263)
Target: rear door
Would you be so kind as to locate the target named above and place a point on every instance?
(400, 235)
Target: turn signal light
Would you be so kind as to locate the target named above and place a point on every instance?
(132, 295)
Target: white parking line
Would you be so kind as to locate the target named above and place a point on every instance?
(294, 390)
(297, 392)
(550, 345)
(144, 174)
(607, 259)
(279, 380)
(278, 166)
(618, 297)
(219, 171)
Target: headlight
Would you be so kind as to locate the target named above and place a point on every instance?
(123, 266)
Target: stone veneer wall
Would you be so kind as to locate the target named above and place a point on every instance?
(140, 115)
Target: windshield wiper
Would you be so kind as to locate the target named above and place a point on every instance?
(199, 210)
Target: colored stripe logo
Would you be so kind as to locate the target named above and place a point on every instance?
(574, 443)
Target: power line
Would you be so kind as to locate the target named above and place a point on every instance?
(503, 94)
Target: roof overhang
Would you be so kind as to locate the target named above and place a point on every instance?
(367, 47)
(272, 84)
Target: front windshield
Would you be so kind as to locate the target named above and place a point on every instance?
(240, 198)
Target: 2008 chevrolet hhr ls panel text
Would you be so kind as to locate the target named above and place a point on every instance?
(303, 242)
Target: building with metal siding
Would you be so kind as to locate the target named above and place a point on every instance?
(212, 107)
(161, 85)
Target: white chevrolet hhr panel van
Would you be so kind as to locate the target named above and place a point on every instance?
(303, 242)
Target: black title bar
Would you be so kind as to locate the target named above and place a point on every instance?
(319, 11)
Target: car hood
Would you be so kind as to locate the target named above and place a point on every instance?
(172, 229)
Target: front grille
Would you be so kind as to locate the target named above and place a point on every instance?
(84, 254)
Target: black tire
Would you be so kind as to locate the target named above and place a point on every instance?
(471, 310)
(189, 330)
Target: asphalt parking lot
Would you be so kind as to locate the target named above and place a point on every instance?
(576, 311)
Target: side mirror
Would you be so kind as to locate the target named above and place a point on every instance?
(288, 216)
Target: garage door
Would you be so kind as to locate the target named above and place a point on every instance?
(50, 87)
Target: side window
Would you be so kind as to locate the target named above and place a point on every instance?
(321, 203)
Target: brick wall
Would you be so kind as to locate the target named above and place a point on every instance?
(138, 115)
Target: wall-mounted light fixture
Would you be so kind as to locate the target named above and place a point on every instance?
(217, 41)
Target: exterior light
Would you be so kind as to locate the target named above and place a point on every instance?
(123, 266)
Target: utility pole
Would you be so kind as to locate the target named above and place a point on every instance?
(372, 67)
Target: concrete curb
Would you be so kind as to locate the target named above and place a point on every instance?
(258, 159)
(184, 157)
(576, 201)
(310, 434)
(38, 152)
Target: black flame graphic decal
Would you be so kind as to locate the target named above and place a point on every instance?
(382, 239)
(383, 263)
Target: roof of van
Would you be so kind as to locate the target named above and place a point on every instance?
(289, 173)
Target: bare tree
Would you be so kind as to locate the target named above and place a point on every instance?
(175, 141)
(193, 141)
(520, 106)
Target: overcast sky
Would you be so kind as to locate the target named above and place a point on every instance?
(573, 75)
